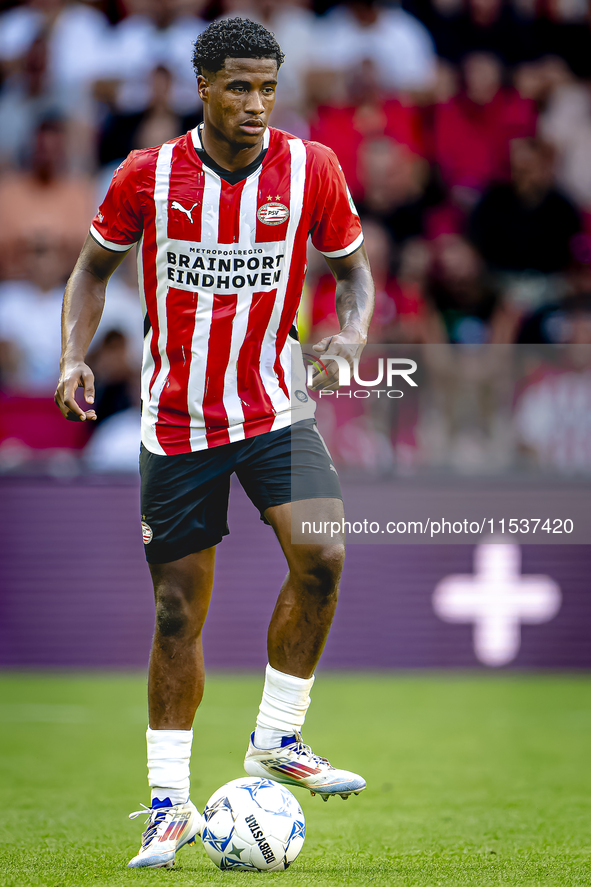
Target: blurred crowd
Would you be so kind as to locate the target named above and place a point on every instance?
(463, 128)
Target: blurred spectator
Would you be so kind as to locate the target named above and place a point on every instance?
(115, 442)
(526, 224)
(30, 320)
(473, 130)
(43, 200)
(468, 308)
(410, 325)
(566, 123)
(348, 128)
(158, 123)
(114, 446)
(30, 312)
(559, 323)
(157, 33)
(563, 28)
(538, 79)
(443, 18)
(30, 345)
(400, 305)
(116, 374)
(494, 26)
(501, 27)
(553, 407)
(24, 101)
(464, 419)
(396, 42)
(32, 432)
(78, 46)
(394, 182)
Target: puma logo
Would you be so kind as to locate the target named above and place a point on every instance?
(176, 205)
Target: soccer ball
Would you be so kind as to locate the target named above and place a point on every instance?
(253, 824)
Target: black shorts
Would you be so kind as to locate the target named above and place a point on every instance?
(185, 498)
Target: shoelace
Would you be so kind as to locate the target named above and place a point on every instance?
(155, 819)
(300, 748)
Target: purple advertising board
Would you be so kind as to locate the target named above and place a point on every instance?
(75, 592)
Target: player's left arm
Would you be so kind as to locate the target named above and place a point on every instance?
(355, 296)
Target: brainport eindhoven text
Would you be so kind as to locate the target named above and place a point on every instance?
(229, 270)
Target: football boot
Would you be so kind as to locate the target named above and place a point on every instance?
(294, 763)
(169, 827)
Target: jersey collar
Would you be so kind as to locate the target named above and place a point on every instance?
(199, 149)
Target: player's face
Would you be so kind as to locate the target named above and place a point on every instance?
(239, 98)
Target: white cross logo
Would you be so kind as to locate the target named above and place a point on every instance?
(497, 598)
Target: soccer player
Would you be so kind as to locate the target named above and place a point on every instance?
(221, 217)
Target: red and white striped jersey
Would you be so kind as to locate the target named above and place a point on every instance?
(221, 270)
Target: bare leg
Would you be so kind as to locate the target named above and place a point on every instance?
(307, 601)
(297, 634)
(182, 591)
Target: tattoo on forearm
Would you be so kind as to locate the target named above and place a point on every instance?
(354, 302)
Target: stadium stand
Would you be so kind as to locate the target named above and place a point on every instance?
(463, 127)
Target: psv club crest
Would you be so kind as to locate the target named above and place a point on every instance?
(147, 534)
(273, 213)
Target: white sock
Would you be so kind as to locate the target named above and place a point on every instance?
(169, 756)
(283, 707)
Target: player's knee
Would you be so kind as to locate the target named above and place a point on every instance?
(173, 614)
(321, 570)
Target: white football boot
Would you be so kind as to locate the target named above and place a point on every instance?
(169, 829)
(296, 764)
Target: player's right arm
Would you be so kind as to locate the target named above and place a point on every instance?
(116, 227)
(84, 300)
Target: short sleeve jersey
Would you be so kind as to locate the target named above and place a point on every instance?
(221, 271)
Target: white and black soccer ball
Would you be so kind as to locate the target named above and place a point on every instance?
(253, 825)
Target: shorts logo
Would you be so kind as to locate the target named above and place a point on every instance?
(301, 396)
(273, 213)
(147, 533)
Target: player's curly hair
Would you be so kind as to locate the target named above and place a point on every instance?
(234, 38)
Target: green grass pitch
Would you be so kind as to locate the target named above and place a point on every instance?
(472, 780)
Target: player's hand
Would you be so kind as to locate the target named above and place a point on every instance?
(74, 376)
(348, 343)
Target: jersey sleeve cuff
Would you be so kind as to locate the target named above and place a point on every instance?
(108, 244)
(339, 253)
